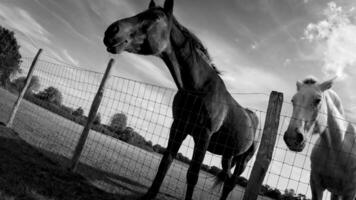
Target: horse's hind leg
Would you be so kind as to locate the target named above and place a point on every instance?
(200, 147)
(226, 163)
(230, 182)
(176, 138)
(241, 163)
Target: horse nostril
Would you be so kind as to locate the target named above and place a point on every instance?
(300, 137)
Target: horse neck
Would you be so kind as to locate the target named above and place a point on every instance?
(189, 67)
(334, 134)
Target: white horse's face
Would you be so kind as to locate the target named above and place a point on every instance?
(308, 111)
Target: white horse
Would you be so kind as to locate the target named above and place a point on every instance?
(318, 110)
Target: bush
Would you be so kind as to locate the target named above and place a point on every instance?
(159, 149)
(118, 122)
(273, 193)
(67, 110)
(78, 112)
(51, 95)
(214, 170)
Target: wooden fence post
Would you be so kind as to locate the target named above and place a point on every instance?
(23, 91)
(265, 151)
(92, 114)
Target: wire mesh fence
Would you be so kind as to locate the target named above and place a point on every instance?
(131, 156)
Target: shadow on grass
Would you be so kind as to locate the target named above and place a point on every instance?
(25, 173)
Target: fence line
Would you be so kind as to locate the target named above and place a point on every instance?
(148, 110)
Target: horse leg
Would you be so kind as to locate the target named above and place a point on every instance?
(176, 139)
(200, 148)
(241, 162)
(226, 163)
(316, 188)
(231, 182)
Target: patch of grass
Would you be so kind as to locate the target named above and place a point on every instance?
(25, 173)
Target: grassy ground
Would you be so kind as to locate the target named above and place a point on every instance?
(25, 173)
(108, 165)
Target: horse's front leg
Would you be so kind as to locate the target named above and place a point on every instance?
(201, 141)
(176, 138)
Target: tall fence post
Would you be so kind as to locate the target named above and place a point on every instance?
(92, 114)
(23, 91)
(265, 151)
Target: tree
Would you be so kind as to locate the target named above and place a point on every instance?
(51, 95)
(34, 84)
(78, 112)
(10, 58)
(118, 122)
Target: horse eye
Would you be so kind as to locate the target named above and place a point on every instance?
(317, 101)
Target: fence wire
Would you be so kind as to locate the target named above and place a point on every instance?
(149, 114)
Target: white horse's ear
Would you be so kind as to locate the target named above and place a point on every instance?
(299, 85)
(152, 4)
(168, 6)
(327, 84)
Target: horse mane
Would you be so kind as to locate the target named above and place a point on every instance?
(196, 43)
(337, 101)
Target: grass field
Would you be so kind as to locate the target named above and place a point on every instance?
(109, 164)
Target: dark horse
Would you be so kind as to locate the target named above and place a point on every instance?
(202, 107)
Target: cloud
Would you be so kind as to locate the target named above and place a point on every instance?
(335, 38)
(21, 21)
(64, 22)
(74, 61)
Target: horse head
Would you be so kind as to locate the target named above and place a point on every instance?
(309, 112)
(146, 33)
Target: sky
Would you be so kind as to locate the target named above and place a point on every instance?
(258, 45)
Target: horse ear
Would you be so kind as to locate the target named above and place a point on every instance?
(152, 4)
(327, 84)
(168, 6)
(299, 85)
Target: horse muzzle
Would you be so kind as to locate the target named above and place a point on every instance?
(296, 144)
